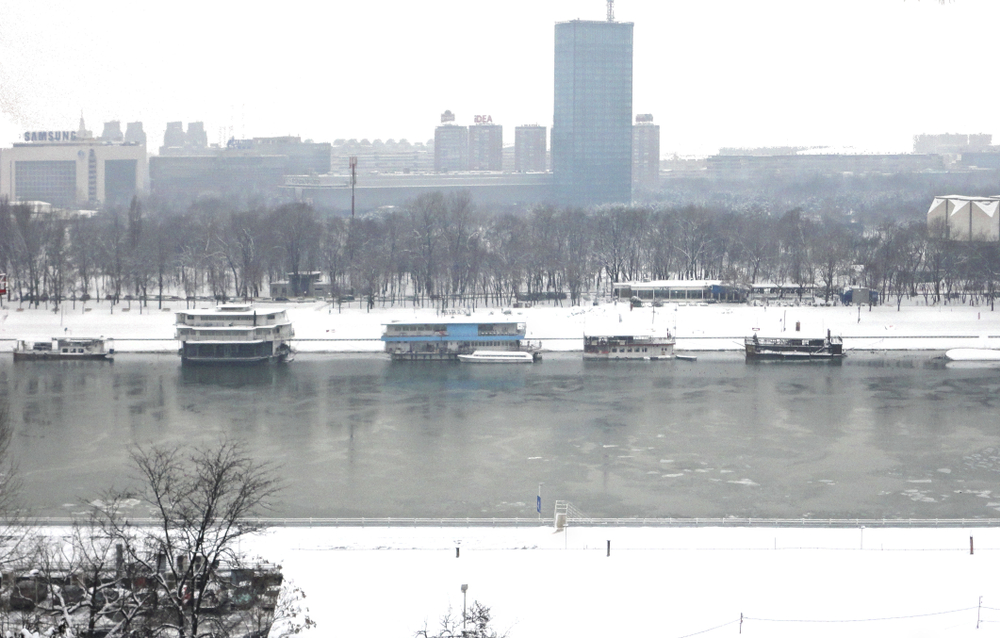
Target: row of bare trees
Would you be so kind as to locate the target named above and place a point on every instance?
(442, 248)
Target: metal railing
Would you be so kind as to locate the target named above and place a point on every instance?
(403, 521)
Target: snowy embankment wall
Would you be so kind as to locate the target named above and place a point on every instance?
(322, 327)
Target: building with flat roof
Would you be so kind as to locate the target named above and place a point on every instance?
(451, 145)
(241, 170)
(820, 163)
(592, 118)
(485, 147)
(529, 149)
(666, 290)
(72, 169)
(645, 152)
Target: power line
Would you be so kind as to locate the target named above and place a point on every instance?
(705, 631)
(936, 613)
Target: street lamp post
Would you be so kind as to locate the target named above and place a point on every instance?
(465, 588)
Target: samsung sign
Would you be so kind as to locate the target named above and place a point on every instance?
(50, 136)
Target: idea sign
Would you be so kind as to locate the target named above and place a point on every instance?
(484, 119)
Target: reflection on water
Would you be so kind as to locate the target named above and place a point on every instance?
(893, 436)
(233, 376)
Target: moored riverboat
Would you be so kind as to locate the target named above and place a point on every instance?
(797, 347)
(64, 349)
(643, 347)
(234, 334)
(446, 340)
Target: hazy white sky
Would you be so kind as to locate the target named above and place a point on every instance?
(863, 73)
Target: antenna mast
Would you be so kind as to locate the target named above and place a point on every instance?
(611, 10)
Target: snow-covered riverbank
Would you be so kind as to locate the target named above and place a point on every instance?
(322, 327)
(672, 583)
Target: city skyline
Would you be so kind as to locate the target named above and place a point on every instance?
(852, 73)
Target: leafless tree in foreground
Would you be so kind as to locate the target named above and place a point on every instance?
(13, 525)
(203, 501)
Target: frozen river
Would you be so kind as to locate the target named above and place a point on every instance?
(355, 435)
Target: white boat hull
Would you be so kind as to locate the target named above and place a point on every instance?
(972, 354)
(497, 356)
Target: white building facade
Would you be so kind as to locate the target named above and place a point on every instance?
(71, 169)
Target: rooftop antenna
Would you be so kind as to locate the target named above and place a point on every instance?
(611, 10)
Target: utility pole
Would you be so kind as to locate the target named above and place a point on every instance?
(465, 588)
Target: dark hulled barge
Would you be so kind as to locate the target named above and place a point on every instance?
(794, 348)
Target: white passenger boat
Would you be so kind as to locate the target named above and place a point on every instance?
(972, 354)
(234, 334)
(499, 356)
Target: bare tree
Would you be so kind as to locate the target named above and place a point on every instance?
(203, 502)
(298, 231)
(477, 623)
(13, 531)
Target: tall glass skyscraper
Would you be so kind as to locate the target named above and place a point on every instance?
(592, 122)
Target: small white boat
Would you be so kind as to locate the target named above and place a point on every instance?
(498, 356)
(972, 354)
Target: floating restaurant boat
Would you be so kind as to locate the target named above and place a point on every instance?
(972, 354)
(794, 348)
(649, 347)
(64, 349)
(499, 356)
(234, 334)
(446, 340)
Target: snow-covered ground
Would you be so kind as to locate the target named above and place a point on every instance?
(379, 581)
(320, 327)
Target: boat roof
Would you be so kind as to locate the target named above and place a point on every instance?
(244, 328)
(802, 334)
(241, 310)
(222, 342)
(452, 321)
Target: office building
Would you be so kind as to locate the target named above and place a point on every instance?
(645, 153)
(529, 149)
(178, 142)
(485, 147)
(72, 169)
(134, 133)
(451, 145)
(592, 118)
(243, 170)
